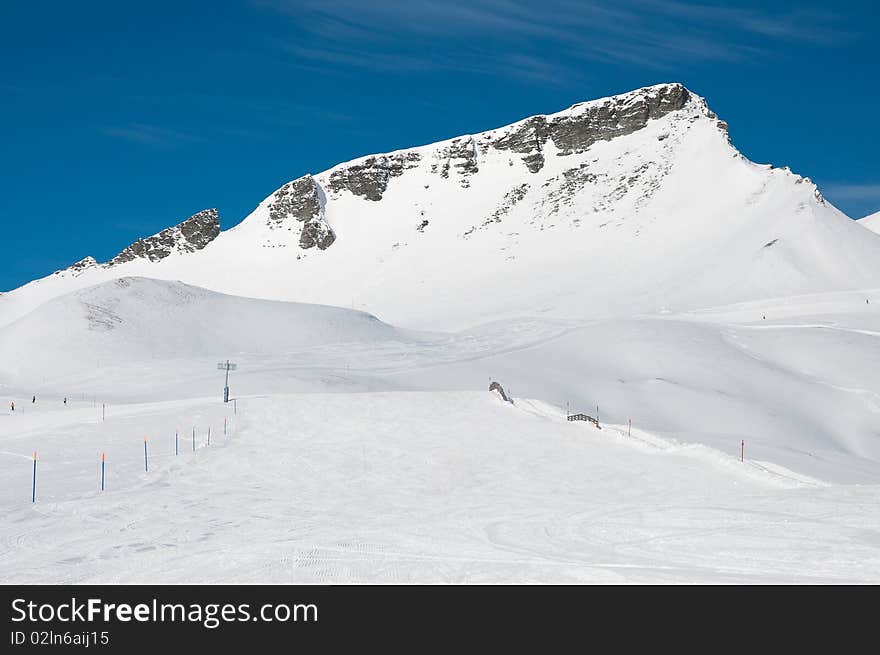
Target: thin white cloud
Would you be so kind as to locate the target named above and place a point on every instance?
(145, 134)
(853, 191)
(489, 36)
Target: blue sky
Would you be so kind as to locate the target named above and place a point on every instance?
(119, 119)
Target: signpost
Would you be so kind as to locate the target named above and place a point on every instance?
(226, 366)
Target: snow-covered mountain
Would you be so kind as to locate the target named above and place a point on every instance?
(620, 258)
(872, 222)
(627, 204)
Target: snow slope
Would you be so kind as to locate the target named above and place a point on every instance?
(127, 321)
(798, 379)
(871, 222)
(613, 207)
(408, 487)
(411, 483)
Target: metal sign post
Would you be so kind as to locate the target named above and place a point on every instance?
(226, 366)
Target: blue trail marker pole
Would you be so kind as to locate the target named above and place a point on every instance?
(209, 436)
(176, 444)
(146, 468)
(194, 440)
(34, 485)
(102, 471)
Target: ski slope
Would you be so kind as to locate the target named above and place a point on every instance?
(798, 379)
(371, 454)
(410, 487)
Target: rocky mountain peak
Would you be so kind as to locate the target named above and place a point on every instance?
(577, 128)
(571, 131)
(193, 234)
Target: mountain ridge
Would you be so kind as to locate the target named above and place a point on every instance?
(191, 234)
(626, 203)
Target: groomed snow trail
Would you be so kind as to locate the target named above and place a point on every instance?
(412, 487)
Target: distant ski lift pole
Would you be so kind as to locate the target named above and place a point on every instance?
(226, 366)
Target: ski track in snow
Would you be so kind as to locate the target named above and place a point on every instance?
(396, 487)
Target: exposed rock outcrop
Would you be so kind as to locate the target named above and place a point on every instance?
(298, 199)
(193, 234)
(81, 265)
(528, 139)
(460, 155)
(510, 199)
(585, 124)
(370, 178)
(302, 201)
(496, 387)
(316, 232)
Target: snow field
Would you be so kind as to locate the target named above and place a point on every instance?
(417, 487)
